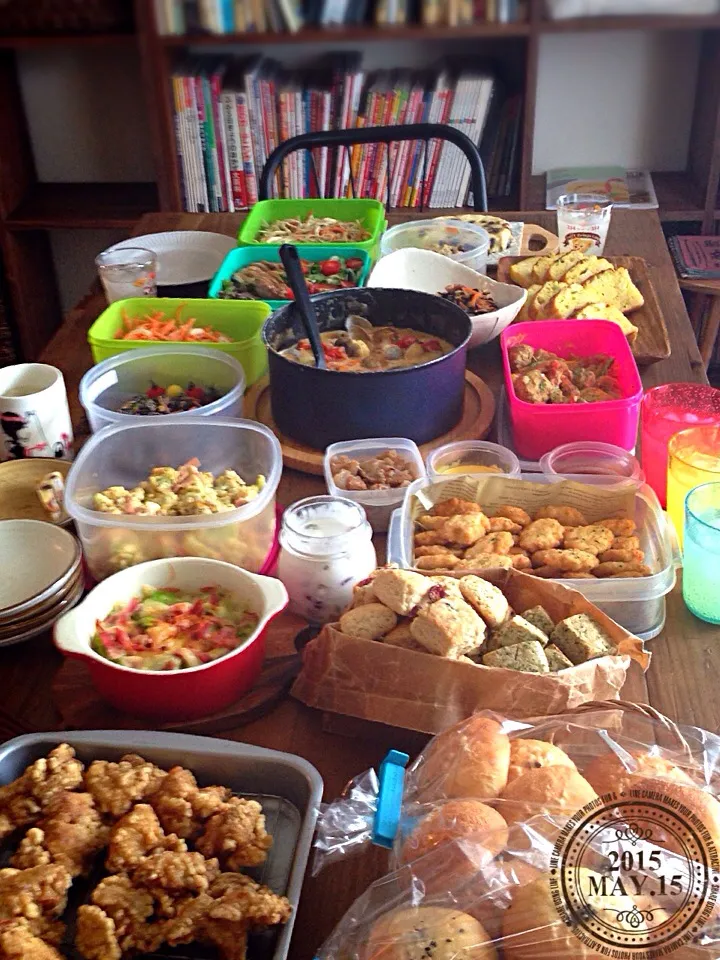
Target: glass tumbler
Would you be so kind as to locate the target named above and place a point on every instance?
(693, 458)
(583, 220)
(127, 272)
(701, 559)
(666, 410)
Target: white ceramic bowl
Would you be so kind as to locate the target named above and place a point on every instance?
(429, 272)
(39, 558)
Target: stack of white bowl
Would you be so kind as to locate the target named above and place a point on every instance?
(42, 577)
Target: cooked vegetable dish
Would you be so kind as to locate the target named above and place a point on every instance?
(159, 400)
(445, 238)
(469, 299)
(158, 326)
(264, 280)
(312, 229)
(171, 629)
(385, 471)
(185, 491)
(362, 347)
(539, 376)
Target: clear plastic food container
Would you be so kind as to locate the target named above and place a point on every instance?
(463, 242)
(636, 603)
(378, 504)
(602, 460)
(125, 455)
(471, 456)
(107, 385)
(539, 427)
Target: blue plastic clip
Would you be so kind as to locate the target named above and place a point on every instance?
(389, 805)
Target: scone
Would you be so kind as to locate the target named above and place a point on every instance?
(528, 657)
(449, 628)
(516, 630)
(368, 622)
(401, 590)
(556, 658)
(540, 618)
(580, 638)
(401, 636)
(486, 599)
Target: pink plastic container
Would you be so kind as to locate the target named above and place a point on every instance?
(540, 427)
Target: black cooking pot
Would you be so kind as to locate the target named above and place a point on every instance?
(319, 407)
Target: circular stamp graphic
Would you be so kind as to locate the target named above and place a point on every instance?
(635, 875)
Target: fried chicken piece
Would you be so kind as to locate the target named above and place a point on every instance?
(565, 560)
(436, 561)
(465, 529)
(437, 550)
(625, 543)
(500, 542)
(428, 522)
(620, 526)
(497, 524)
(455, 507)
(175, 873)
(541, 534)
(567, 516)
(238, 897)
(23, 800)
(611, 569)
(95, 935)
(521, 561)
(592, 538)
(236, 835)
(546, 572)
(516, 514)
(622, 556)
(70, 833)
(39, 894)
(137, 835)
(183, 807)
(430, 538)
(485, 561)
(18, 942)
(115, 787)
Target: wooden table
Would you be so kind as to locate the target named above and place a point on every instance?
(686, 657)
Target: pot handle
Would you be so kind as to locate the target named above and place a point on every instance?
(275, 592)
(66, 637)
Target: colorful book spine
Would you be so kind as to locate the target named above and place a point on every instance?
(236, 170)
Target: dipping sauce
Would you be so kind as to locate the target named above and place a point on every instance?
(461, 468)
(326, 548)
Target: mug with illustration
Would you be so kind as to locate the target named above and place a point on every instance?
(34, 414)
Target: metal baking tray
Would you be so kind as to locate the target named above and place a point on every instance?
(289, 788)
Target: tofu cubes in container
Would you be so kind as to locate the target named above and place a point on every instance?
(124, 456)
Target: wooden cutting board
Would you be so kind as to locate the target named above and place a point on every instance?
(652, 343)
(475, 423)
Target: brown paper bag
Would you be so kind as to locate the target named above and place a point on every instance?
(419, 691)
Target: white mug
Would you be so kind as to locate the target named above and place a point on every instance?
(34, 414)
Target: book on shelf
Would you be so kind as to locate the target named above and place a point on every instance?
(180, 17)
(229, 116)
(626, 188)
(696, 258)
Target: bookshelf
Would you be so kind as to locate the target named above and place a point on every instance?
(30, 208)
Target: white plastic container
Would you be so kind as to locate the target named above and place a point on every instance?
(636, 603)
(107, 385)
(378, 504)
(441, 235)
(125, 455)
(448, 460)
(592, 458)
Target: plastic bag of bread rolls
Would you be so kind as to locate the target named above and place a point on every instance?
(480, 778)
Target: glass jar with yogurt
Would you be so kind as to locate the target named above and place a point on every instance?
(326, 548)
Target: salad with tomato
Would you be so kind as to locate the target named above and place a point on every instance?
(170, 629)
(265, 280)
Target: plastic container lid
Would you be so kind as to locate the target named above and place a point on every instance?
(473, 453)
(473, 240)
(592, 458)
(378, 504)
(107, 385)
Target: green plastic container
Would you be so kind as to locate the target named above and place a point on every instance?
(240, 319)
(370, 212)
(242, 256)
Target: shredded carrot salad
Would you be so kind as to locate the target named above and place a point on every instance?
(158, 326)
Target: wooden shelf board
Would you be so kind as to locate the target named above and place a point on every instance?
(66, 40)
(355, 34)
(87, 205)
(671, 22)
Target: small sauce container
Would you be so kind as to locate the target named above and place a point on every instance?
(325, 549)
(471, 456)
(592, 458)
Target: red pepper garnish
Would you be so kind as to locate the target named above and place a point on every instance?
(431, 345)
(288, 294)
(154, 391)
(333, 353)
(197, 393)
(353, 263)
(405, 342)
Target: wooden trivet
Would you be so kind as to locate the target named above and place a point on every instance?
(475, 423)
(82, 708)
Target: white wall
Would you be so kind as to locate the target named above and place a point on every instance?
(615, 98)
(622, 98)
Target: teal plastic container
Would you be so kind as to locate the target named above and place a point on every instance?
(371, 214)
(241, 320)
(242, 256)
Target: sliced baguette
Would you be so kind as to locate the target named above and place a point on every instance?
(603, 311)
(521, 271)
(543, 298)
(542, 265)
(613, 287)
(586, 268)
(559, 268)
(524, 313)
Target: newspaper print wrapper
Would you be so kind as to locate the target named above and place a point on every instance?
(418, 691)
